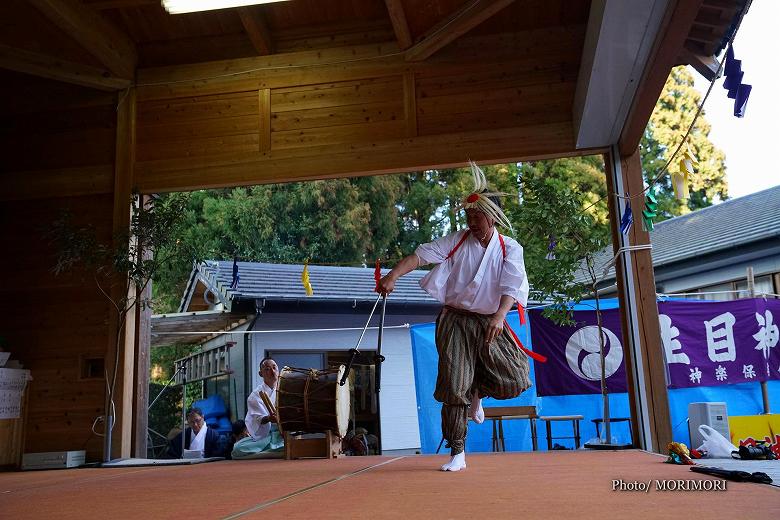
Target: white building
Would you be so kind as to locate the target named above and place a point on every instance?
(267, 314)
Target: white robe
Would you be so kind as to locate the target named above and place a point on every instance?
(256, 410)
(198, 440)
(474, 278)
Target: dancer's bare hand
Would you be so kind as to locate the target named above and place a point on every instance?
(494, 328)
(386, 284)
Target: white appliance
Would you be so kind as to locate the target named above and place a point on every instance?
(714, 415)
(54, 459)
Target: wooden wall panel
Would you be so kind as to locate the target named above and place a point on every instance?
(58, 139)
(362, 110)
(57, 144)
(495, 96)
(50, 322)
(196, 126)
(336, 113)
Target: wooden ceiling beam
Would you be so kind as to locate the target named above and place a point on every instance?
(535, 142)
(707, 66)
(400, 26)
(114, 49)
(48, 67)
(712, 18)
(102, 5)
(677, 23)
(454, 26)
(257, 30)
(721, 4)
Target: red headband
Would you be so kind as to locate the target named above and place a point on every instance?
(471, 199)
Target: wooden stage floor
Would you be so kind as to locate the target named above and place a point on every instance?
(507, 485)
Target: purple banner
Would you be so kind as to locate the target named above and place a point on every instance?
(573, 361)
(716, 343)
(705, 344)
(770, 335)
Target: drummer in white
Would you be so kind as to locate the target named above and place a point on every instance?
(258, 419)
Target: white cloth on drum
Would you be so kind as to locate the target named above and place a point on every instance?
(256, 410)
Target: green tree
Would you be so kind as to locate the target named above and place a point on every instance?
(672, 116)
(340, 221)
(429, 206)
(552, 214)
(581, 177)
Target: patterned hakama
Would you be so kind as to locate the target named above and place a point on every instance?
(466, 364)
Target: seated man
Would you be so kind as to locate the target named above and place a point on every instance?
(260, 423)
(245, 447)
(208, 441)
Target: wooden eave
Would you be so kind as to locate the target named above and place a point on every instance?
(298, 90)
(187, 328)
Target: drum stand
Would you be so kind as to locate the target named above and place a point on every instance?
(300, 447)
(378, 359)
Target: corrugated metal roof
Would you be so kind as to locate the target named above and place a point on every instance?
(733, 223)
(283, 281)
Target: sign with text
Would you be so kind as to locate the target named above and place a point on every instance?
(705, 344)
(12, 384)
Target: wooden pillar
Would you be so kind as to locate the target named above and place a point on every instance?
(142, 352)
(644, 357)
(121, 436)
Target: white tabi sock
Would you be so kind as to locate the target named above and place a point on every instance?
(457, 463)
(476, 411)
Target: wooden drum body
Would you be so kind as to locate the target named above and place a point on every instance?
(312, 401)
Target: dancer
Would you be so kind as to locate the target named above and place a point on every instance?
(479, 278)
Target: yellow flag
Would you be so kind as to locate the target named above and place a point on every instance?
(680, 180)
(305, 279)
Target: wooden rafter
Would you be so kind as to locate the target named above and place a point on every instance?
(256, 29)
(677, 22)
(712, 18)
(454, 26)
(44, 66)
(400, 26)
(707, 66)
(101, 5)
(114, 49)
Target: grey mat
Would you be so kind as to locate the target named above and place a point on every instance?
(129, 463)
(770, 467)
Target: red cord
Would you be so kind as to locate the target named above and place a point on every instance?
(377, 275)
(538, 357)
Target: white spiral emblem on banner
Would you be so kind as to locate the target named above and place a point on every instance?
(586, 341)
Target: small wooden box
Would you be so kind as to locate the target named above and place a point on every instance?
(297, 447)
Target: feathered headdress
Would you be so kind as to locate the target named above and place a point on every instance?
(480, 198)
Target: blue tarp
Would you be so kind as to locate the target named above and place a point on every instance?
(741, 399)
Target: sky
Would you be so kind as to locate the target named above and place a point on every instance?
(751, 142)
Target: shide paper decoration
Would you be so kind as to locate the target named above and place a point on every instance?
(627, 219)
(650, 211)
(737, 90)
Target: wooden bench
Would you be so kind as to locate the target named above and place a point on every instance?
(498, 414)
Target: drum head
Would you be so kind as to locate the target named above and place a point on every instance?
(342, 403)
